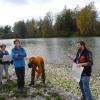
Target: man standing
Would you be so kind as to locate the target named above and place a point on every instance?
(18, 55)
(84, 59)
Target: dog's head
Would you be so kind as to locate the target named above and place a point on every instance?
(31, 63)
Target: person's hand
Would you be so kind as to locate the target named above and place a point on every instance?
(16, 55)
(69, 55)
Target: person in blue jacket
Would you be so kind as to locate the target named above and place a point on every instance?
(18, 55)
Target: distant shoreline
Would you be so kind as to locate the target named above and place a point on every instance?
(49, 37)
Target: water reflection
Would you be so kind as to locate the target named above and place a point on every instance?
(54, 50)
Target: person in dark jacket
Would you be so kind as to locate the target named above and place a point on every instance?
(84, 59)
(18, 55)
(4, 64)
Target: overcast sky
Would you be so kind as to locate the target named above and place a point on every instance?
(14, 10)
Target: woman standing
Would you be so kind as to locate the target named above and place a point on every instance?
(18, 55)
(3, 64)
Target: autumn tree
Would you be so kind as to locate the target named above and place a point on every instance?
(64, 22)
(31, 27)
(86, 19)
(46, 27)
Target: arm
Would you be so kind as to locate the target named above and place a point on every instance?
(18, 54)
(22, 53)
(1, 56)
(7, 53)
(13, 54)
(5, 56)
(69, 56)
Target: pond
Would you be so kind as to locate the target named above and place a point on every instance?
(55, 50)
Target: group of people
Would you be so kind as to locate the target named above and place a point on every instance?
(18, 54)
(83, 59)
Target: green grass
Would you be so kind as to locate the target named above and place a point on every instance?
(47, 97)
(39, 86)
(19, 94)
(55, 78)
(4, 77)
(8, 86)
(37, 94)
(62, 78)
(11, 86)
(2, 98)
(55, 95)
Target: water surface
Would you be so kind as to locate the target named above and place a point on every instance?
(55, 50)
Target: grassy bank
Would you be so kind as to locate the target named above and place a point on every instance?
(61, 75)
(60, 85)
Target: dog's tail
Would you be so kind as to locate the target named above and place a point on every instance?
(43, 72)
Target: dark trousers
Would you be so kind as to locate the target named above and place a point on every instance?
(20, 73)
(32, 76)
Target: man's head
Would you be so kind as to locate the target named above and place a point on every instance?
(17, 43)
(80, 45)
(31, 63)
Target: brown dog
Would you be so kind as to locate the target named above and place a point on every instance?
(37, 65)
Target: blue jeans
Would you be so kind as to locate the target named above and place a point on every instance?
(84, 86)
